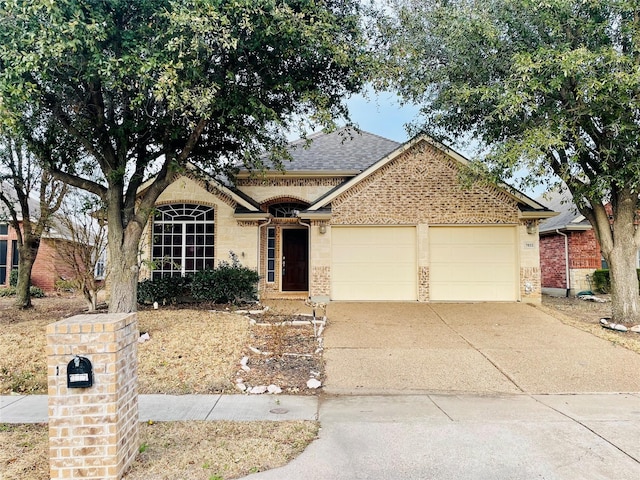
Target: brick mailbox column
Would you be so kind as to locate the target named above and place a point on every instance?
(93, 432)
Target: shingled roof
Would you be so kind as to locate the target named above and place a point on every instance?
(343, 150)
(569, 217)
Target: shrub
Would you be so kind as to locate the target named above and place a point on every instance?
(164, 289)
(225, 284)
(7, 292)
(63, 285)
(13, 278)
(602, 280)
(36, 292)
(229, 283)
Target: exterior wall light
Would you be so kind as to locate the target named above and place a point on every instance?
(531, 227)
(323, 229)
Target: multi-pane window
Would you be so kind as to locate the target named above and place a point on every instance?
(183, 239)
(101, 268)
(271, 254)
(3, 262)
(4, 229)
(15, 255)
(286, 210)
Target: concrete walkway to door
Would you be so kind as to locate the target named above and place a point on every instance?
(486, 348)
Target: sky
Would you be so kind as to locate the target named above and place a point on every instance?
(382, 114)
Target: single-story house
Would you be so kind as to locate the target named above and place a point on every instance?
(356, 217)
(49, 266)
(569, 250)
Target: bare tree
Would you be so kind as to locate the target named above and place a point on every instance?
(83, 244)
(21, 175)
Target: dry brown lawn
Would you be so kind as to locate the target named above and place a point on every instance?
(186, 347)
(190, 351)
(586, 315)
(173, 450)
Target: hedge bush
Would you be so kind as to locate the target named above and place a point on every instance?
(602, 281)
(13, 278)
(36, 292)
(228, 283)
(164, 289)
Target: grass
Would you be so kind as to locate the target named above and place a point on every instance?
(585, 316)
(24, 452)
(190, 351)
(173, 450)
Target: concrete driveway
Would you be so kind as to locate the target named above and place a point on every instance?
(470, 392)
(486, 348)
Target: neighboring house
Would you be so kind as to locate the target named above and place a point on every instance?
(48, 267)
(569, 251)
(356, 217)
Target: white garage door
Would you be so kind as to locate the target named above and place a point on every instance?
(473, 264)
(373, 263)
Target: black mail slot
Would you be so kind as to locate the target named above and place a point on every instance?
(79, 373)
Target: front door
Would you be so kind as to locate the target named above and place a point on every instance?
(295, 260)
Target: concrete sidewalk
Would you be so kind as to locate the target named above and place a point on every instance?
(448, 437)
(460, 437)
(163, 408)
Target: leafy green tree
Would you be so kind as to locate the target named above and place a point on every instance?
(146, 86)
(553, 86)
(29, 197)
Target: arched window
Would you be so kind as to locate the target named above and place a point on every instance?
(183, 239)
(286, 210)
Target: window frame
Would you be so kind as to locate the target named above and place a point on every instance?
(187, 231)
(271, 255)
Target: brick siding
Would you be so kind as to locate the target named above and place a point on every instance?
(422, 186)
(93, 432)
(584, 257)
(47, 268)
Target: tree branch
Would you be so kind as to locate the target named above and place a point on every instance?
(80, 182)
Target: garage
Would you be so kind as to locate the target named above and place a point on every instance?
(473, 264)
(373, 263)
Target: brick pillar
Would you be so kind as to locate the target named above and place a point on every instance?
(93, 432)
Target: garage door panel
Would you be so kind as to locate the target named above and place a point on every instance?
(368, 291)
(373, 263)
(361, 253)
(473, 264)
(475, 292)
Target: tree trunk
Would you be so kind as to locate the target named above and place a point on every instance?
(619, 241)
(123, 269)
(625, 301)
(27, 257)
(90, 295)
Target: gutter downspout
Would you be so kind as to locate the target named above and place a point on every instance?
(259, 244)
(308, 225)
(566, 259)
